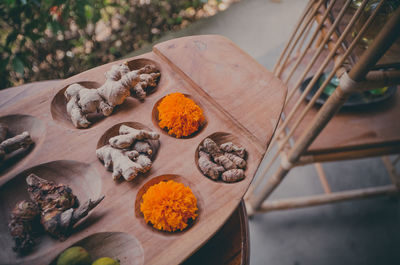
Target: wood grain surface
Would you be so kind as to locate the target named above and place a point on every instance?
(239, 98)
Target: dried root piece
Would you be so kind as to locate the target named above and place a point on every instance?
(119, 83)
(142, 147)
(209, 168)
(227, 159)
(58, 205)
(212, 148)
(238, 161)
(120, 162)
(117, 71)
(50, 196)
(145, 162)
(60, 225)
(233, 175)
(24, 217)
(54, 205)
(12, 144)
(231, 148)
(128, 153)
(225, 162)
(216, 153)
(129, 135)
(147, 81)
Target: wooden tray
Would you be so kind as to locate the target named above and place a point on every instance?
(241, 100)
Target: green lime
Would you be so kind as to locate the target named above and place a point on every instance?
(105, 261)
(74, 256)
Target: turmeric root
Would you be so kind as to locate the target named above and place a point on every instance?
(227, 159)
(12, 144)
(129, 135)
(231, 148)
(58, 205)
(233, 175)
(212, 148)
(121, 164)
(119, 83)
(238, 161)
(24, 217)
(209, 168)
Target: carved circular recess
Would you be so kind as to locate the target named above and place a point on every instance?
(114, 131)
(80, 177)
(58, 107)
(220, 138)
(136, 64)
(156, 120)
(156, 180)
(18, 124)
(117, 245)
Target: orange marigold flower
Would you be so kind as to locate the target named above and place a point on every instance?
(180, 115)
(169, 206)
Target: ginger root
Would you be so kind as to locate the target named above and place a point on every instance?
(127, 154)
(142, 147)
(120, 162)
(129, 135)
(12, 144)
(226, 159)
(120, 83)
(24, 217)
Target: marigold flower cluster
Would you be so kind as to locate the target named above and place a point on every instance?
(180, 115)
(169, 206)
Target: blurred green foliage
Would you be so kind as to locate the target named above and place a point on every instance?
(52, 39)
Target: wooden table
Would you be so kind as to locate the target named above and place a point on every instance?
(242, 102)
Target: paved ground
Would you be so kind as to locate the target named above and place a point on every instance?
(358, 232)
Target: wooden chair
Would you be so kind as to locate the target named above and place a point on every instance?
(329, 39)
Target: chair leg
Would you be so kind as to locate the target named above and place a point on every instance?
(253, 203)
(394, 175)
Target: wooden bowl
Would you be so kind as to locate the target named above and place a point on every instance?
(17, 124)
(114, 131)
(220, 138)
(156, 120)
(59, 103)
(59, 107)
(117, 245)
(156, 180)
(83, 180)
